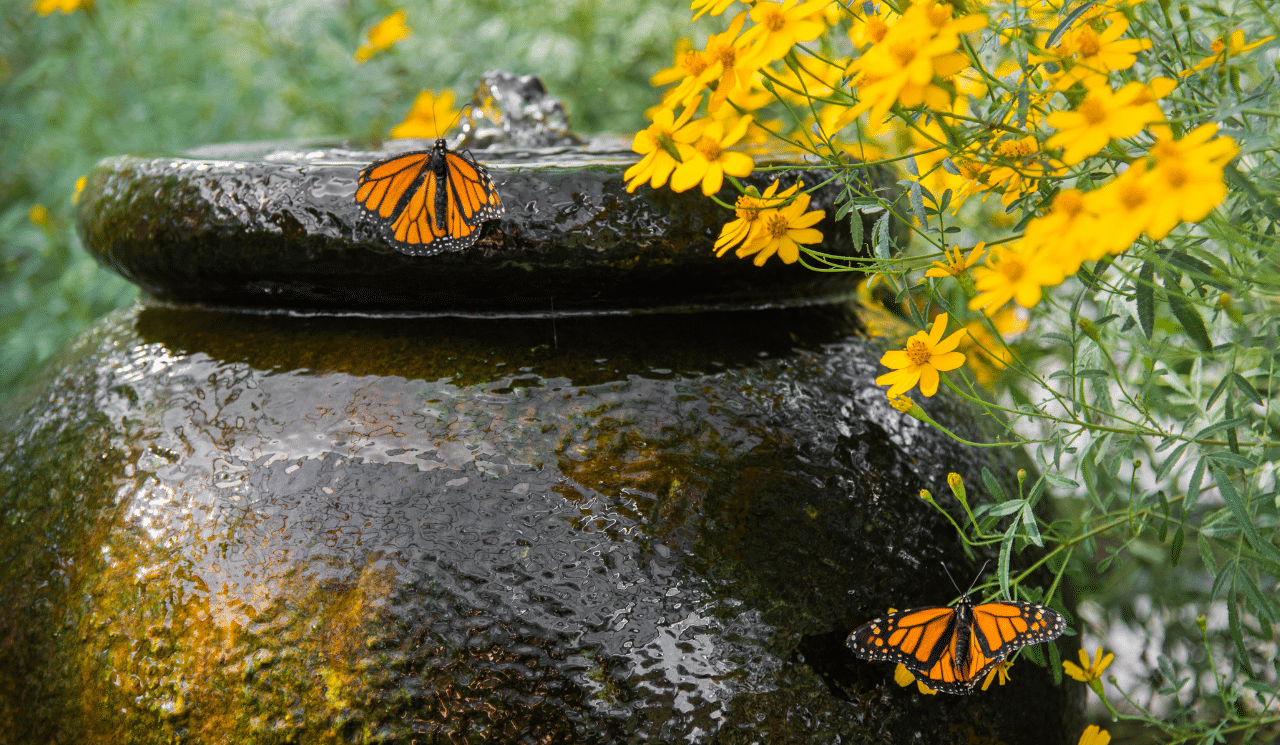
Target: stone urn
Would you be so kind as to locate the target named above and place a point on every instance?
(581, 483)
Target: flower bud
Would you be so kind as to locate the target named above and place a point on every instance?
(1183, 11)
(1089, 330)
(957, 485)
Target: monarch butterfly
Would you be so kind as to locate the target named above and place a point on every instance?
(951, 649)
(428, 201)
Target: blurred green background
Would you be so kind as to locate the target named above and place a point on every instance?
(154, 77)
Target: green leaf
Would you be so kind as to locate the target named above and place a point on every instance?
(1008, 508)
(1171, 461)
(1145, 291)
(1240, 508)
(1206, 553)
(917, 203)
(1002, 567)
(1062, 482)
(1164, 524)
(1029, 523)
(1055, 663)
(1193, 487)
(882, 239)
(1219, 426)
(1224, 458)
(1263, 604)
(1175, 550)
(1237, 632)
(993, 486)
(1187, 314)
(855, 230)
(1222, 386)
(1245, 387)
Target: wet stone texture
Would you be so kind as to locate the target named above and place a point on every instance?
(277, 226)
(224, 528)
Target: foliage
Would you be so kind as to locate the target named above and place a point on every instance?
(1114, 164)
(150, 77)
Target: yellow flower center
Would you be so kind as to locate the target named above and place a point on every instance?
(1012, 267)
(775, 225)
(1070, 204)
(876, 29)
(938, 15)
(1087, 44)
(1017, 148)
(918, 352)
(1164, 150)
(726, 55)
(709, 149)
(748, 208)
(1176, 176)
(694, 63)
(1093, 111)
(1218, 45)
(773, 19)
(1132, 196)
(904, 52)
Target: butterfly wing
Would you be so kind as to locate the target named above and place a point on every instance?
(917, 638)
(472, 195)
(404, 194)
(1003, 626)
(383, 186)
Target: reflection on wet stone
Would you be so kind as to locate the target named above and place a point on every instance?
(588, 528)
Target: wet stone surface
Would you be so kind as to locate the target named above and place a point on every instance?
(263, 529)
(274, 226)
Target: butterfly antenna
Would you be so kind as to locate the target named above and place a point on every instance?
(454, 123)
(948, 571)
(975, 579)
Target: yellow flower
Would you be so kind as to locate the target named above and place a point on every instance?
(902, 67)
(45, 7)
(692, 68)
(736, 66)
(1093, 735)
(985, 354)
(708, 159)
(1123, 208)
(1233, 46)
(1084, 672)
(430, 117)
(1186, 181)
(782, 231)
(925, 355)
(1068, 230)
(957, 264)
(75, 196)
(1001, 671)
(714, 7)
(1102, 116)
(780, 26)
(903, 677)
(745, 231)
(39, 214)
(660, 150)
(1088, 56)
(1013, 272)
(872, 27)
(384, 33)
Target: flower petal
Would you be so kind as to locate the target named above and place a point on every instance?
(928, 380)
(948, 361)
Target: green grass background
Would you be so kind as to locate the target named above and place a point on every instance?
(154, 77)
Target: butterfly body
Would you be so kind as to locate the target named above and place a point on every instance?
(950, 649)
(428, 201)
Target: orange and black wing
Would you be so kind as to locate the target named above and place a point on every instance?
(428, 201)
(1003, 626)
(917, 638)
(472, 196)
